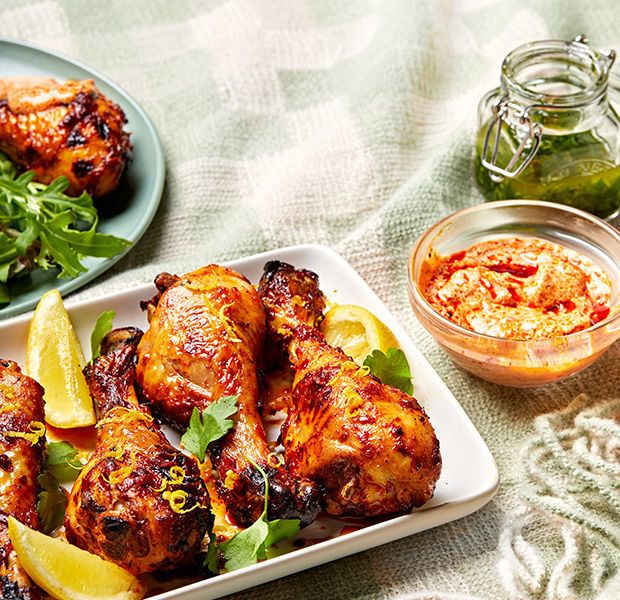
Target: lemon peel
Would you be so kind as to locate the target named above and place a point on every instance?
(37, 431)
(231, 478)
(177, 500)
(130, 414)
(275, 460)
(177, 477)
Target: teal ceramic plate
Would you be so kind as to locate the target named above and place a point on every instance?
(130, 209)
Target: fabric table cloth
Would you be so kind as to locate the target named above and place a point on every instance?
(350, 123)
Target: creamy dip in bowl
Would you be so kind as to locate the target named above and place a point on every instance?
(519, 292)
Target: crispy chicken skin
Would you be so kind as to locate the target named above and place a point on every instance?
(121, 505)
(206, 331)
(67, 128)
(369, 445)
(21, 404)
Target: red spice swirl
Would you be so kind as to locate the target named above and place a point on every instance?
(517, 288)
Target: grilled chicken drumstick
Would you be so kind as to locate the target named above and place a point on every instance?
(68, 129)
(22, 441)
(371, 446)
(206, 331)
(138, 502)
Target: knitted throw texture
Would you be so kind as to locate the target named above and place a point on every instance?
(350, 123)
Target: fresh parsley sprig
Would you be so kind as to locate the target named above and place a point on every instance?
(42, 227)
(60, 464)
(61, 461)
(250, 545)
(103, 326)
(209, 426)
(51, 503)
(391, 368)
(204, 428)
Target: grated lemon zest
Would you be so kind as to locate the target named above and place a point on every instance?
(231, 478)
(223, 319)
(177, 477)
(130, 414)
(37, 431)
(8, 408)
(83, 456)
(116, 453)
(228, 325)
(275, 460)
(297, 301)
(177, 500)
(362, 372)
(353, 409)
(118, 476)
(8, 391)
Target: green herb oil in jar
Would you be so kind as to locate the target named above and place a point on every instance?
(549, 132)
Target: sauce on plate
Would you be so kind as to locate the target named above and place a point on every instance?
(517, 288)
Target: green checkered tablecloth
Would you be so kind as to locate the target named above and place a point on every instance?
(350, 123)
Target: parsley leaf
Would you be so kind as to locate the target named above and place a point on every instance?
(102, 327)
(42, 227)
(391, 368)
(250, 545)
(210, 426)
(212, 558)
(52, 502)
(61, 462)
(247, 547)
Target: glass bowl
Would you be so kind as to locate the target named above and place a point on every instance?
(520, 363)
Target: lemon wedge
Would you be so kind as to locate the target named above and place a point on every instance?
(54, 358)
(68, 573)
(357, 331)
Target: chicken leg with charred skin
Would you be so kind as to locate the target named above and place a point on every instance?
(206, 332)
(68, 129)
(21, 458)
(371, 446)
(139, 502)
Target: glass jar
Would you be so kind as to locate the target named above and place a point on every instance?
(549, 131)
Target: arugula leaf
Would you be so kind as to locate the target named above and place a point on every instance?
(210, 426)
(391, 368)
(212, 558)
(103, 326)
(52, 502)
(250, 545)
(61, 462)
(40, 226)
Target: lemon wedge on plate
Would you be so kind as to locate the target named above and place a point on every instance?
(357, 331)
(54, 358)
(68, 573)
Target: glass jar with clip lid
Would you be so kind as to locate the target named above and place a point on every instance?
(549, 132)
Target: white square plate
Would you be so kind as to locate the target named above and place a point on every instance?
(469, 476)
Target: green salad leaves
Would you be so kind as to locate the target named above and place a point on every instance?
(42, 227)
